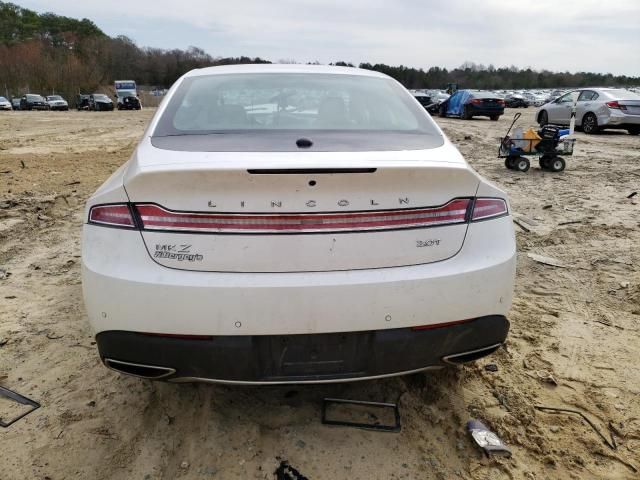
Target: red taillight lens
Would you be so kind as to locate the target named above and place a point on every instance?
(501, 102)
(485, 208)
(476, 101)
(154, 217)
(117, 215)
(614, 104)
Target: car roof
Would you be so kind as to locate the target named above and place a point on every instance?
(284, 68)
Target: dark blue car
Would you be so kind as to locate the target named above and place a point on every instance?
(467, 104)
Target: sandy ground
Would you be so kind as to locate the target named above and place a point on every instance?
(574, 340)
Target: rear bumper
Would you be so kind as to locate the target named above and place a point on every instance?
(124, 289)
(488, 112)
(326, 357)
(617, 119)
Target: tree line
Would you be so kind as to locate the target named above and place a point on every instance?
(46, 53)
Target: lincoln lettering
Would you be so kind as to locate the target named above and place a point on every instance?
(310, 203)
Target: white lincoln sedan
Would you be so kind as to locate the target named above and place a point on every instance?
(291, 224)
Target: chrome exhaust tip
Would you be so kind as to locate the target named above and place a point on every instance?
(470, 355)
(152, 372)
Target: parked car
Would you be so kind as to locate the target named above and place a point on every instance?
(436, 100)
(326, 233)
(596, 109)
(515, 101)
(99, 102)
(5, 104)
(82, 102)
(15, 103)
(56, 102)
(422, 98)
(31, 101)
(429, 103)
(128, 102)
(535, 99)
(467, 104)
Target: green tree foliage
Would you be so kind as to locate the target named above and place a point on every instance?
(19, 24)
(471, 75)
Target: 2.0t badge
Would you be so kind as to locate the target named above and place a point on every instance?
(432, 242)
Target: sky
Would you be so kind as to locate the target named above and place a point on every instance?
(567, 35)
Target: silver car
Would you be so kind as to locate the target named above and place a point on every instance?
(5, 104)
(597, 109)
(56, 102)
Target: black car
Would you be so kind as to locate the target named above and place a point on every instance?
(431, 102)
(32, 101)
(423, 99)
(467, 104)
(129, 102)
(99, 102)
(82, 102)
(515, 101)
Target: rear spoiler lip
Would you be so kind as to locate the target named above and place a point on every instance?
(307, 171)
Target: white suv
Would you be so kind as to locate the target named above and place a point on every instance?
(288, 223)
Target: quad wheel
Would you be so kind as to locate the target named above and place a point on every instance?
(520, 164)
(552, 164)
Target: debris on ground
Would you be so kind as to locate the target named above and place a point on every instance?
(610, 442)
(287, 472)
(19, 399)
(486, 439)
(546, 260)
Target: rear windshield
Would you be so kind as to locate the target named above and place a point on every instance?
(276, 101)
(34, 98)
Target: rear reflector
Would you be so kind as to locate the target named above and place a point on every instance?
(114, 215)
(180, 337)
(154, 217)
(485, 208)
(442, 325)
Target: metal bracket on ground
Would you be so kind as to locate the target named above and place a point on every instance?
(10, 394)
(366, 426)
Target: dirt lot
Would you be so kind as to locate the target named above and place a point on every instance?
(574, 340)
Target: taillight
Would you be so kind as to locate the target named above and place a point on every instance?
(616, 105)
(116, 215)
(485, 208)
(154, 217)
(476, 101)
(501, 102)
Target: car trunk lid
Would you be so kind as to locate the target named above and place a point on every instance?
(631, 107)
(204, 216)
